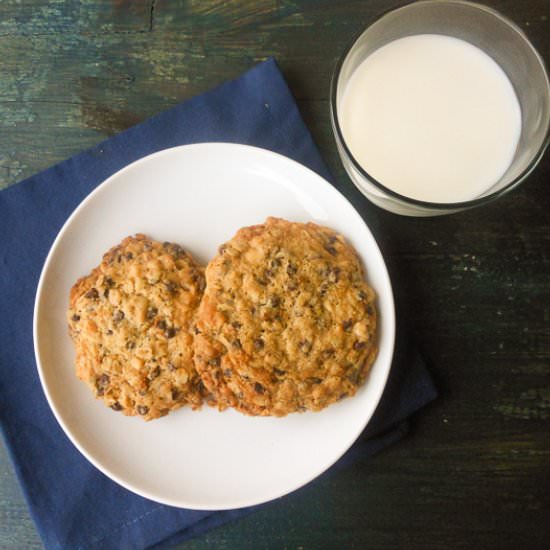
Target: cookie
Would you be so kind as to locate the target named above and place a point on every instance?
(287, 322)
(130, 321)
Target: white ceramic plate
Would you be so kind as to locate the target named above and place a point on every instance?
(198, 196)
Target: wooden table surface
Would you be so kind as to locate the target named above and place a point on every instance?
(475, 471)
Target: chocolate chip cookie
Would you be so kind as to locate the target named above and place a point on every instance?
(130, 321)
(287, 321)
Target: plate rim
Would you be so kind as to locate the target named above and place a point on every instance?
(179, 503)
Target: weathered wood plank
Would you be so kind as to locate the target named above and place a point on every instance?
(114, 69)
(16, 527)
(39, 17)
(113, 75)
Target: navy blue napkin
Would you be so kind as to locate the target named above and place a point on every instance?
(73, 505)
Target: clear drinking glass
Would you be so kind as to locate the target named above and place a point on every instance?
(493, 33)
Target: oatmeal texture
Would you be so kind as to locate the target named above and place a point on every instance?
(287, 322)
(130, 320)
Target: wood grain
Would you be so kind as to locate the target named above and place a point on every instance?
(475, 286)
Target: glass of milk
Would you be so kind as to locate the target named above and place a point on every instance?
(439, 106)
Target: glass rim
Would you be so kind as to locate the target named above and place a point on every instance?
(417, 202)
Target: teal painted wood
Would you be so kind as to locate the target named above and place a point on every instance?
(16, 527)
(473, 474)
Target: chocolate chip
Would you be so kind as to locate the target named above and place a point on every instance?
(305, 346)
(331, 250)
(236, 325)
(346, 325)
(362, 295)
(130, 344)
(101, 384)
(275, 301)
(75, 318)
(171, 367)
(291, 269)
(116, 406)
(162, 324)
(109, 332)
(237, 344)
(171, 287)
(129, 256)
(215, 362)
(118, 316)
(142, 409)
(155, 373)
(359, 345)
(354, 377)
(258, 388)
(197, 331)
(151, 313)
(106, 292)
(258, 343)
(92, 294)
(170, 332)
(174, 249)
(279, 372)
(369, 309)
(109, 282)
(176, 394)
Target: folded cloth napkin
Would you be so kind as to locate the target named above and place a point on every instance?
(73, 504)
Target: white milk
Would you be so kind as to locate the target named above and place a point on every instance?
(431, 117)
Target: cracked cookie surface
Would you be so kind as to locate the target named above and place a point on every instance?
(130, 321)
(287, 322)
